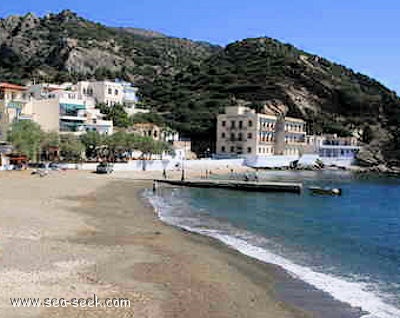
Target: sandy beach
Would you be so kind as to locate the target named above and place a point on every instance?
(76, 234)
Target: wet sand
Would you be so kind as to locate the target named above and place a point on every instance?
(75, 234)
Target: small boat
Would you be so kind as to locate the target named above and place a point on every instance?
(325, 191)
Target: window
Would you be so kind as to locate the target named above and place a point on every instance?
(116, 92)
(250, 123)
(109, 91)
(223, 135)
(249, 135)
(223, 148)
(223, 123)
(232, 149)
(233, 124)
(259, 149)
(240, 124)
(232, 136)
(248, 149)
(240, 136)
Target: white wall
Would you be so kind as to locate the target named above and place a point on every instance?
(159, 165)
(284, 161)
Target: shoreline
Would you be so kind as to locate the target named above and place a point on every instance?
(288, 289)
(77, 233)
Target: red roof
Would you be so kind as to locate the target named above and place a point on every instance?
(53, 89)
(12, 86)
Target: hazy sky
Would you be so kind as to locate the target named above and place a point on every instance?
(361, 34)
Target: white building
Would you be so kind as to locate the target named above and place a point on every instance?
(111, 93)
(331, 146)
(103, 92)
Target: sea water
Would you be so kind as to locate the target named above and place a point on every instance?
(348, 246)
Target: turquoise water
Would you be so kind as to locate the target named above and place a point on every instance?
(348, 246)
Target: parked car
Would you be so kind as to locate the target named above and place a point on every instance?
(104, 167)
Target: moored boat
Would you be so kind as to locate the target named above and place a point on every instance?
(325, 191)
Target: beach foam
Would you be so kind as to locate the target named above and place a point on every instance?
(357, 294)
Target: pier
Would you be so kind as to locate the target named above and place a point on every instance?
(254, 186)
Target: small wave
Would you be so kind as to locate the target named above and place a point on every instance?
(356, 294)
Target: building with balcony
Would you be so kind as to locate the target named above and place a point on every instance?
(111, 93)
(242, 131)
(54, 107)
(12, 100)
(74, 113)
(103, 92)
(331, 146)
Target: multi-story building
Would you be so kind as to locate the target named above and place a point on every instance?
(242, 131)
(104, 92)
(75, 103)
(111, 93)
(130, 99)
(333, 146)
(68, 111)
(54, 107)
(12, 100)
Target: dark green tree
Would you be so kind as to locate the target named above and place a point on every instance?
(116, 113)
(93, 143)
(72, 148)
(26, 137)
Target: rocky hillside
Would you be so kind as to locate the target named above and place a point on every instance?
(64, 46)
(332, 98)
(188, 82)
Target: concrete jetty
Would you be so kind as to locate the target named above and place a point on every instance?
(254, 186)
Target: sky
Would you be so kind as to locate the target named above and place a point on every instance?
(361, 34)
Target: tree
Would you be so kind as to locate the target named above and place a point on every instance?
(121, 143)
(71, 148)
(26, 137)
(153, 118)
(49, 142)
(149, 146)
(116, 113)
(92, 142)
